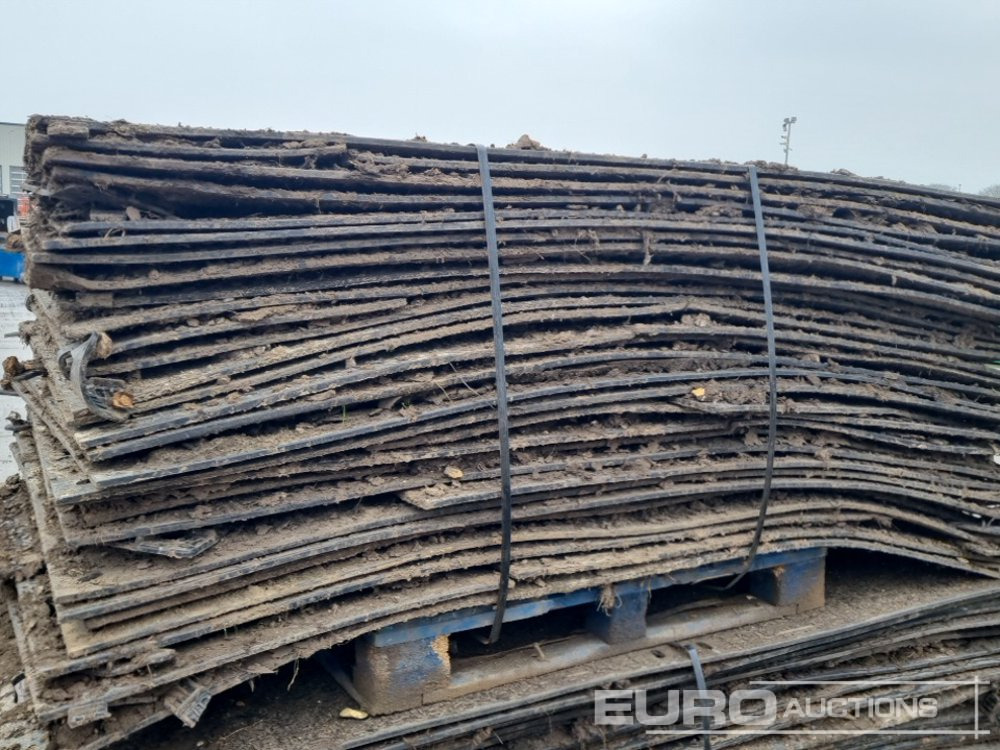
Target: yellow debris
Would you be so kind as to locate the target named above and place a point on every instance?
(104, 346)
(698, 392)
(453, 472)
(122, 400)
(353, 713)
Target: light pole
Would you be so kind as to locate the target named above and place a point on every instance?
(786, 138)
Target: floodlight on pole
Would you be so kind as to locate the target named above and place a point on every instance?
(786, 138)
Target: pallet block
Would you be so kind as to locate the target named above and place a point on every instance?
(395, 677)
(626, 621)
(798, 582)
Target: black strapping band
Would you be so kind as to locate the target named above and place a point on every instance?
(772, 376)
(493, 253)
(699, 681)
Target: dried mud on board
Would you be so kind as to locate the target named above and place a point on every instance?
(261, 409)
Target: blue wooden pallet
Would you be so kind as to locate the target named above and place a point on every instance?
(408, 664)
(472, 619)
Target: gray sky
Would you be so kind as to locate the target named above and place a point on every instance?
(906, 89)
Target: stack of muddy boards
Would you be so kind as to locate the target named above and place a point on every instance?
(262, 417)
(934, 635)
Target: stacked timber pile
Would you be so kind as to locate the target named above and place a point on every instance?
(262, 417)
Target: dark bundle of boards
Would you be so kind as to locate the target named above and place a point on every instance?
(262, 417)
(883, 635)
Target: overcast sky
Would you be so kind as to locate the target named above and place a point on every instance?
(906, 89)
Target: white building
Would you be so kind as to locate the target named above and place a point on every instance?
(11, 158)
(11, 168)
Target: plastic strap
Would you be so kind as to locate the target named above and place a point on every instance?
(772, 376)
(699, 681)
(501, 381)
